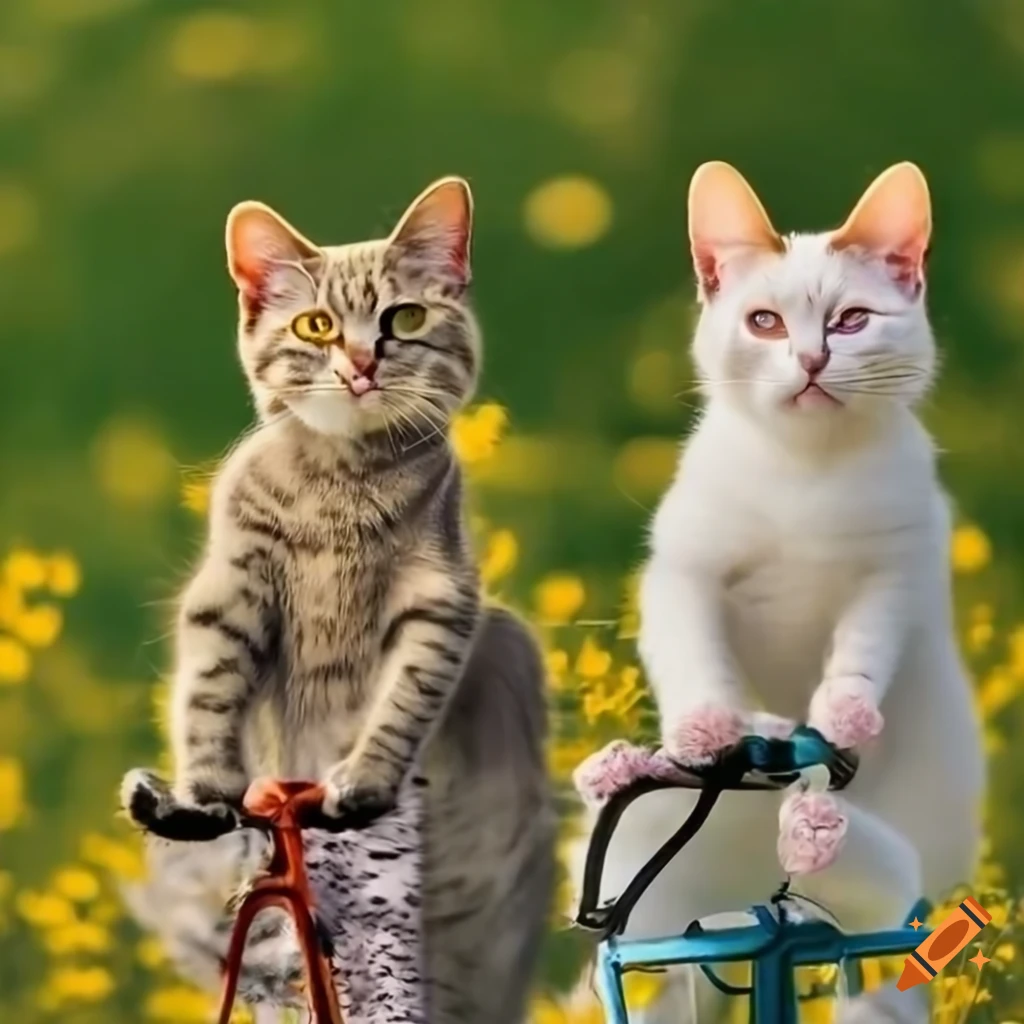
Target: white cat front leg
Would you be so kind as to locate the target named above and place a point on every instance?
(866, 648)
(684, 650)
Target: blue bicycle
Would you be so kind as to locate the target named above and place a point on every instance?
(775, 943)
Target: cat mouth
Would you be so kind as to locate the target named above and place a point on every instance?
(814, 395)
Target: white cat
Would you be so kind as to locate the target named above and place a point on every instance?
(799, 566)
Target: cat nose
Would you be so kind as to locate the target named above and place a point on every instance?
(357, 371)
(362, 360)
(815, 362)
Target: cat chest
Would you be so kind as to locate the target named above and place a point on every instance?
(780, 617)
(789, 591)
(332, 603)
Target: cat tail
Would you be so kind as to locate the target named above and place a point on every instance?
(185, 902)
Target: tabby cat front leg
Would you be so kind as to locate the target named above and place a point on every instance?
(226, 632)
(224, 642)
(425, 646)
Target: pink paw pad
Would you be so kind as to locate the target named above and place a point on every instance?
(703, 733)
(845, 712)
(811, 832)
(613, 768)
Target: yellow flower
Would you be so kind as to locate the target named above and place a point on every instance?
(44, 909)
(971, 549)
(979, 636)
(998, 689)
(150, 952)
(15, 662)
(11, 602)
(1000, 914)
(64, 576)
(24, 569)
(558, 598)
(641, 989)
(118, 857)
(12, 793)
(77, 884)
(132, 463)
(557, 664)
(592, 662)
(178, 1003)
(630, 676)
(476, 433)
(500, 557)
(568, 213)
(1015, 645)
(78, 937)
(214, 46)
(78, 984)
(1005, 951)
(871, 972)
(581, 1006)
(818, 1011)
(39, 626)
(564, 756)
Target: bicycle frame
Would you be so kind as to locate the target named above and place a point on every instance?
(277, 808)
(775, 947)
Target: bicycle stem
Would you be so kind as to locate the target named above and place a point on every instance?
(277, 808)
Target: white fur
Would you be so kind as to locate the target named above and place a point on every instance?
(800, 544)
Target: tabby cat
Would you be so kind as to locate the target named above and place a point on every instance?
(338, 601)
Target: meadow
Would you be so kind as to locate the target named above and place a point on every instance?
(128, 129)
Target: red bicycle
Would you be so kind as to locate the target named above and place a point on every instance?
(282, 810)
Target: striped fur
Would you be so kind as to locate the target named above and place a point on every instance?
(338, 599)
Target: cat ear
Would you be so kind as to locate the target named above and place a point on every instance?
(258, 240)
(726, 220)
(893, 221)
(437, 228)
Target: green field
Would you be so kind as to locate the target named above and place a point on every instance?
(128, 128)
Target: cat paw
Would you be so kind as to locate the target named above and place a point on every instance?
(611, 769)
(703, 733)
(845, 711)
(355, 805)
(150, 803)
(811, 832)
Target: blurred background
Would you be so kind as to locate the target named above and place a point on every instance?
(128, 128)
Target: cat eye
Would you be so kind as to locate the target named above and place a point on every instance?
(764, 323)
(403, 320)
(850, 321)
(315, 326)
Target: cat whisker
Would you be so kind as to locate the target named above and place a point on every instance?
(403, 414)
(438, 425)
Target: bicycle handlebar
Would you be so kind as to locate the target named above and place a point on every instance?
(775, 763)
(267, 805)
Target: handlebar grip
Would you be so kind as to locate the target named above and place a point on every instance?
(150, 804)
